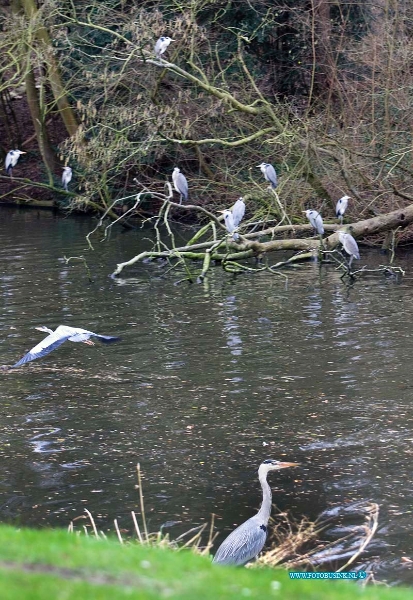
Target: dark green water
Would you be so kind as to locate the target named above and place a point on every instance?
(207, 382)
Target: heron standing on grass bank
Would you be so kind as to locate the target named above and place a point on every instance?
(269, 173)
(247, 540)
(341, 207)
(66, 177)
(316, 220)
(180, 184)
(349, 245)
(60, 335)
(11, 160)
(162, 45)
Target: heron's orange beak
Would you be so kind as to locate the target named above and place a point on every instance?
(284, 465)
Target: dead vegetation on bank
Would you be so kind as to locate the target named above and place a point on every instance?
(323, 95)
(294, 545)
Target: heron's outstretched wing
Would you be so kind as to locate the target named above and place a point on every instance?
(52, 341)
(243, 544)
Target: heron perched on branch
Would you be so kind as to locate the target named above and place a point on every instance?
(269, 173)
(247, 540)
(161, 46)
(180, 184)
(349, 245)
(229, 224)
(341, 207)
(60, 335)
(316, 220)
(66, 177)
(12, 158)
(238, 211)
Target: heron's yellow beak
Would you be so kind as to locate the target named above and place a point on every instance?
(284, 465)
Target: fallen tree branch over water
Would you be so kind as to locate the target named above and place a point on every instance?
(228, 252)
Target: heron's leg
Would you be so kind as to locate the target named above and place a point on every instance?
(89, 342)
(180, 199)
(351, 260)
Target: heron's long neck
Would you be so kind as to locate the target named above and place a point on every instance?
(265, 509)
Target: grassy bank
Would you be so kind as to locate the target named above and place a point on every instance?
(54, 564)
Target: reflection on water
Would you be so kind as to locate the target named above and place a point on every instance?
(207, 382)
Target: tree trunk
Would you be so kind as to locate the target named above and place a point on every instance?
(33, 101)
(55, 79)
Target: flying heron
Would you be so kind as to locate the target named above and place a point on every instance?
(11, 160)
(341, 207)
(238, 211)
(180, 184)
(247, 540)
(161, 46)
(66, 177)
(269, 173)
(349, 245)
(316, 220)
(60, 335)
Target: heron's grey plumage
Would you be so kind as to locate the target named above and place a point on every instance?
(229, 224)
(66, 177)
(247, 540)
(341, 207)
(269, 173)
(349, 245)
(161, 45)
(58, 337)
(180, 184)
(238, 211)
(316, 220)
(11, 160)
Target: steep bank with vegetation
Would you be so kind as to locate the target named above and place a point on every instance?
(320, 91)
(55, 564)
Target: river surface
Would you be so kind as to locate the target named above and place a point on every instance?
(208, 381)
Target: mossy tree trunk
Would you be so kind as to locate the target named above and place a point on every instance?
(53, 70)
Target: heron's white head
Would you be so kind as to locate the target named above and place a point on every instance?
(345, 198)
(176, 171)
(44, 328)
(275, 465)
(66, 169)
(310, 213)
(18, 152)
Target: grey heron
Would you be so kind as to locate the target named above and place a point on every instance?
(316, 220)
(11, 160)
(341, 207)
(66, 177)
(180, 184)
(349, 245)
(247, 540)
(269, 173)
(161, 46)
(238, 211)
(60, 335)
(229, 224)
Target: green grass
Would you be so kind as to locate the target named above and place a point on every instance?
(52, 564)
